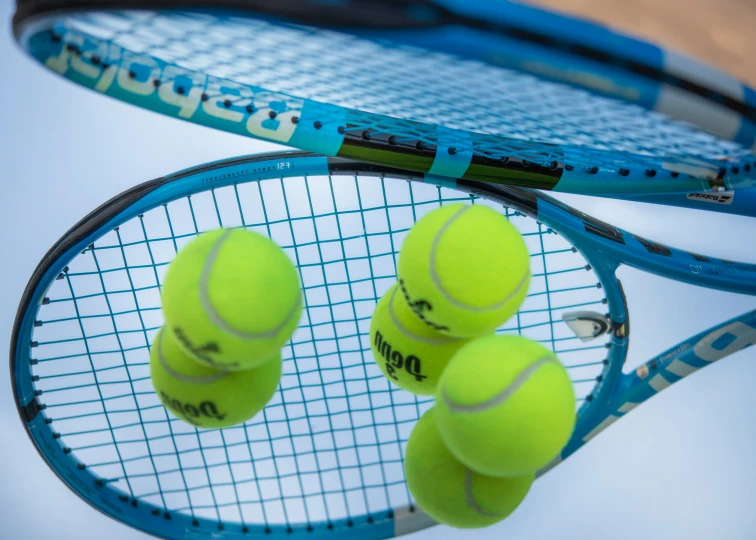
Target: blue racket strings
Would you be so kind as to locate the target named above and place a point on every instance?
(329, 446)
(311, 88)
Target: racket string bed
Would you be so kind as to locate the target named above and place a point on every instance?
(328, 449)
(320, 89)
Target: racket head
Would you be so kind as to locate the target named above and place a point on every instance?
(326, 455)
(430, 96)
(79, 349)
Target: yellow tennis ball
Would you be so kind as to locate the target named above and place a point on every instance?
(505, 406)
(231, 299)
(464, 269)
(407, 350)
(203, 396)
(451, 493)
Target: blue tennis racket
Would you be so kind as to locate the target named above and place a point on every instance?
(487, 90)
(325, 456)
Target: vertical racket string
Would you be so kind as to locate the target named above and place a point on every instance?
(193, 432)
(361, 209)
(172, 435)
(342, 470)
(179, 463)
(293, 361)
(281, 394)
(310, 422)
(413, 205)
(120, 345)
(94, 370)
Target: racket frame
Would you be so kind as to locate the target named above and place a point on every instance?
(604, 246)
(551, 46)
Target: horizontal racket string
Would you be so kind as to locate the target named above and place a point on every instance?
(329, 446)
(266, 70)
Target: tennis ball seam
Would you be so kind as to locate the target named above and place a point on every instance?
(437, 280)
(440, 340)
(502, 396)
(471, 502)
(215, 316)
(215, 377)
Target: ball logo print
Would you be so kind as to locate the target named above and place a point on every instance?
(206, 397)
(407, 350)
(203, 352)
(396, 360)
(421, 308)
(188, 411)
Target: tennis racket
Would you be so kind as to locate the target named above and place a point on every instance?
(489, 91)
(325, 456)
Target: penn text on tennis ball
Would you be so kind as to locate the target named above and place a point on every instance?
(505, 406)
(464, 269)
(408, 352)
(205, 397)
(451, 493)
(231, 298)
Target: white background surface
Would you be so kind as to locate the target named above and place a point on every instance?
(681, 466)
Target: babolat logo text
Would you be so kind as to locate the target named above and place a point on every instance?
(420, 308)
(395, 360)
(202, 352)
(208, 409)
(718, 198)
(171, 89)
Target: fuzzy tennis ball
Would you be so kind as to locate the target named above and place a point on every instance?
(203, 396)
(408, 351)
(231, 299)
(505, 406)
(464, 269)
(451, 493)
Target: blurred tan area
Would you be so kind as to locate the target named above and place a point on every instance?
(719, 32)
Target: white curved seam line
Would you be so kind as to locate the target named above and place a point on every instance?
(216, 318)
(451, 299)
(502, 396)
(180, 376)
(471, 500)
(406, 333)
